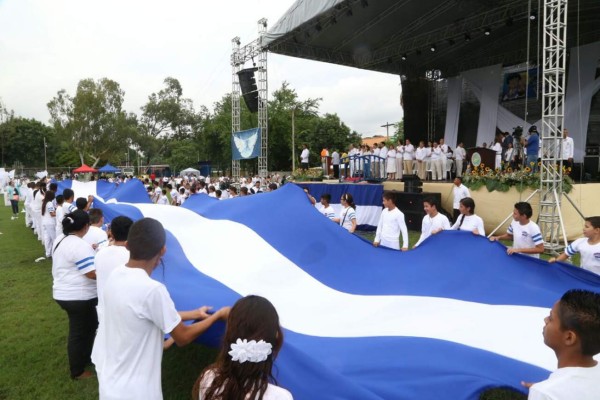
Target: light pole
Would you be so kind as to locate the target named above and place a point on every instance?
(293, 140)
(45, 158)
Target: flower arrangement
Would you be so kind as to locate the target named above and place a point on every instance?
(503, 180)
(311, 174)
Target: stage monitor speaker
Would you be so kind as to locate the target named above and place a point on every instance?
(412, 184)
(411, 204)
(249, 88)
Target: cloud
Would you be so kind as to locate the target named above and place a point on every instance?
(46, 46)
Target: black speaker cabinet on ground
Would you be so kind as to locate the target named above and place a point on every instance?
(249, 88)
(411, 204)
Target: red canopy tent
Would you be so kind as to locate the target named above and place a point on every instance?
(84, 169)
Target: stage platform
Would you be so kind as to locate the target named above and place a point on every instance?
(495, 206)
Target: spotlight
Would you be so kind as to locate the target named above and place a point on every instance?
(364, 3)
(467, 37)
(404, 57)
(533, 15)
(432, 47)
(487, 31)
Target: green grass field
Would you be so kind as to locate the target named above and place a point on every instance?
(33, 360)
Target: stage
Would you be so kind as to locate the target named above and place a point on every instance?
(493, 207)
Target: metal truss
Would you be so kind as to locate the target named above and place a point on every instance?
(235, 100)
(263, 106)
(553, 95)
(239, 56)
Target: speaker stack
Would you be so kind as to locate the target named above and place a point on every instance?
(249, 88)
(411, 204)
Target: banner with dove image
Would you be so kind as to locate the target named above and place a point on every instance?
(246, 144)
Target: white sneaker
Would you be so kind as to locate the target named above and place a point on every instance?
(12, 218)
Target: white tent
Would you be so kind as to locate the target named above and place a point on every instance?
(190, 171)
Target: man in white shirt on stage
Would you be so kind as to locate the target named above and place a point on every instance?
(567, 150)
(391, 225)
(445, 152)
(460, 155)
(408, 156)
(459, 192)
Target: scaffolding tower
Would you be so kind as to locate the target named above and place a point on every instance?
(239, 56)
(553, 94)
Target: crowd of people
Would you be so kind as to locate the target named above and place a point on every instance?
(435, 160)
(118, 315)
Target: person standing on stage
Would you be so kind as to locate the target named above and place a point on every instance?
(567, 151)
(409, 155)
(459, 156)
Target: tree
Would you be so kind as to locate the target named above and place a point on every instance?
(398, 132)
(93, 121)
(23, 141)
(165, 117)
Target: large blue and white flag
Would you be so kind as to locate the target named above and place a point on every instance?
(132, 191)
(448, 320)
(246, 144)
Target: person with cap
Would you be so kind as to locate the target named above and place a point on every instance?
(532, 144)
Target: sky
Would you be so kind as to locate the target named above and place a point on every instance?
(46, 46)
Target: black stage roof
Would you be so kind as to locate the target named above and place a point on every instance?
(396, 36)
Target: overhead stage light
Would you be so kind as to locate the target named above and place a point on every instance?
(533, 16)
(487, 31)
(418, 52)
(349, 12)
(432, 47)
(404, 57)
(451, 42)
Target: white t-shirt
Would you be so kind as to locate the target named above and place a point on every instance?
(60, 215)
(525, 236)
(569, 383)
(107, 259)
(163, 200)
(72, 258)
(304, 156)
(469, 223)
(440, 221)
(590, 254)
(346, 217)
(328, 212)
(272, 393)
(391, 225)
(47, 218)
(459, 193)
(137, 312)
(96, 236)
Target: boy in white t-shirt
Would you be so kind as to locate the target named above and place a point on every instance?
(588, 246)
(572, 331)
(136, 313)
(326, 208)
(95, 236)
(525, 234)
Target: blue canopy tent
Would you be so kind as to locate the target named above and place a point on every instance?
(109, 169)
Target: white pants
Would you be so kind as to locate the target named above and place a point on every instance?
(459, 167)
(437, 170)
(399, 167)
(49, 236)
(37, 223)
(28, 215)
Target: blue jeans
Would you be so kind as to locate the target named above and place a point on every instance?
(532, 159)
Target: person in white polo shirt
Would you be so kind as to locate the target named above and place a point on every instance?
(588, 246)
(525, 234)
(74, 289)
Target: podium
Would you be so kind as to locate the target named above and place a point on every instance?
(481, 155)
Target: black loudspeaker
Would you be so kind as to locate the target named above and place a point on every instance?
(412, 184)
(249, 88)
(411, 204)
